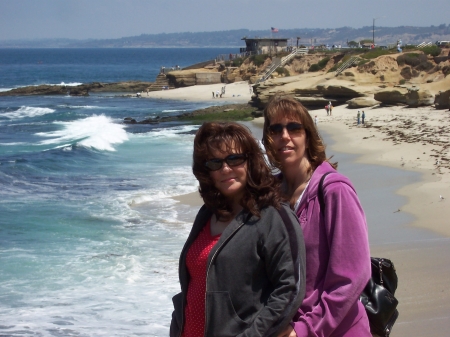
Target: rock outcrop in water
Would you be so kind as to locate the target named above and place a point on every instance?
(78, 90)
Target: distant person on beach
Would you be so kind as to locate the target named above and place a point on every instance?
(358, 116)
(213, 94)
(333, 223)
(315, 120)
(330, 108)
(363, 116)
(217, 93)
(242, 268)
(327, 109)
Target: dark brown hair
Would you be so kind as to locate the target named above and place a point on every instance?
(262, 187)
(287, 106)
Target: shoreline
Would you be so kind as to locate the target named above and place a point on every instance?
(372, 147)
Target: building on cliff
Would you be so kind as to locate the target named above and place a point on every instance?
(264, 45)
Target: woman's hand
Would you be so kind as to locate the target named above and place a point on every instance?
(288, 332)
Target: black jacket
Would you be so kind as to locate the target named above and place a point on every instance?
(255, 275)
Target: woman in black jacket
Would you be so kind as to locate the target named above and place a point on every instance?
(242, 269)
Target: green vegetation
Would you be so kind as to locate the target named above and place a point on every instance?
(411, 59)
(258, 60)
(319, 65)
(362, 62)
(431, 50)
(314, 67)
(282, 71)
(374, 53)
(402, 82)
(323, 62)
(237, 62)
(233, 115)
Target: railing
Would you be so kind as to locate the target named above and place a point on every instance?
(232, 56)
(282, 62)
(424, 44)
(269, 71)
(346, 65)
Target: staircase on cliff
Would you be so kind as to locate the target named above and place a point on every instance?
(277, 62)
(351, 61)
(161, 83)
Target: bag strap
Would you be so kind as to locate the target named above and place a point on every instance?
(320, 193)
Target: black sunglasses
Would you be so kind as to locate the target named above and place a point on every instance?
(291, 127)
(231, 160)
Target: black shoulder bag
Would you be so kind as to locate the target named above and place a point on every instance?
(378, 295)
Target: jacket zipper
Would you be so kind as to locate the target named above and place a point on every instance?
(207, 273)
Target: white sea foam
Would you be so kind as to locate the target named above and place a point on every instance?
(176, 110)
(97, 132)
(5, 89)
(27, 111)
(80, 106)
(72, 84)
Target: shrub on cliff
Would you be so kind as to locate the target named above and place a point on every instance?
(237, 62)
(282, 71)
(319, 65)
(258, 60)
(374, 53)
(314, 67)
(323, 62)
(410, 59)
(431, 50)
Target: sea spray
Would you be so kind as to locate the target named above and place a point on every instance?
(97, 132)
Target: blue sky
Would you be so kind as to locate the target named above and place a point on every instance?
(82, 19)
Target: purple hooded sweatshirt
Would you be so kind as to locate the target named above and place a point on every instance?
(337, 259)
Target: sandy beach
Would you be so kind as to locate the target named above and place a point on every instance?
(409, 140)
(238, 92)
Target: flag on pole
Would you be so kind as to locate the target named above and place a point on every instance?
(274, 30)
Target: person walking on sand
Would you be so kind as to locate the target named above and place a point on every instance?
(315, 120)
(327, 109)
(333, 223)
(242, 268)
(358, 116)
(213, 94)
(330, 107)
(363, 116)
(217, 94)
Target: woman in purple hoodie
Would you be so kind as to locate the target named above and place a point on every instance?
(337, 248)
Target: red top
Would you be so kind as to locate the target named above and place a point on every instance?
(196, 260)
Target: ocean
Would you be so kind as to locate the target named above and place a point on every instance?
(89, 234)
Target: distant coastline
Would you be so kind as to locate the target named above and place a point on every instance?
(231, 38)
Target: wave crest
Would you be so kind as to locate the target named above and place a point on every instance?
(27, 111)
(97, 132)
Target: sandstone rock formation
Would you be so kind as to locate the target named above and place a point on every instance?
(361, 102)
(186, 78)
(412, 97)
(442, 100)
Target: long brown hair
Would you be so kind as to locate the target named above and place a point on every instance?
(289, 107)
(261, 189)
